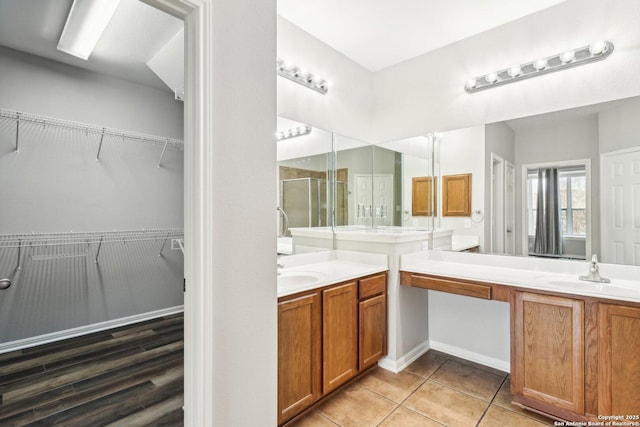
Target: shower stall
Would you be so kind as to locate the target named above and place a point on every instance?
(306, 201)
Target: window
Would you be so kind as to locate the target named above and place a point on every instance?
(573, 200)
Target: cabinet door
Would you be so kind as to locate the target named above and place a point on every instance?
(619, 360)
(548, 352)
(340, 335)
(299, 352)
(373, 330)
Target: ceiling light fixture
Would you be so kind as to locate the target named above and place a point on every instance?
(85, 24)
(596, 51)
(293, 132)
(298, 75)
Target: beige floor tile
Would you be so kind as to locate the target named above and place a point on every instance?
(314, 419)
(403, 417)
(504, 398)
(496, 416)
(427, 364)
(468, 379)
(479, 366)
(357, 406)
(445, 405)
(396, 387)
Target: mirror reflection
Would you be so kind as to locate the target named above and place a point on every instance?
(564, 184)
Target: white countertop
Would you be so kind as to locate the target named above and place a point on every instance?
(461, 242)
(536, 274)
(382, 234)
(315, 270)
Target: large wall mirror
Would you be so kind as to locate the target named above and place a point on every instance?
(329, 182)
(564, 184)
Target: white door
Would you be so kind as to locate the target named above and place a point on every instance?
(510, 213)
(363, 199)
(383, 199)
(620, 207)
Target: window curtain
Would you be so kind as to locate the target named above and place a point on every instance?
(548, 238)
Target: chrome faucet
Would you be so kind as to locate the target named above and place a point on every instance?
(594, 272)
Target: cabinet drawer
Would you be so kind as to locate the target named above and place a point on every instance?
(452, 286)
(372, 286)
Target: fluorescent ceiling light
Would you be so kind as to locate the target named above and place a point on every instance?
(85, 24)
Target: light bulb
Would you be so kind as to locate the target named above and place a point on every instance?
(491, 77)
(567, 56)
(514, 71)
(471, 83)
(598, 47)
(540, 64)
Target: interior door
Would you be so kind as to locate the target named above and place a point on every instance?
(510, 214)
(620, 201)
(363, 196)
(383, 199)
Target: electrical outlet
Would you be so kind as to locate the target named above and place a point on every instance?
(467, 223)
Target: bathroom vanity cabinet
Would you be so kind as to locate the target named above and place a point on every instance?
(326, 337)
(573, 357)
(547, 342)
(618, 360)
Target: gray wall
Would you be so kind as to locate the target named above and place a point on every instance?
(36, 85)
(55, 184)
(619, 127)
(568, 139)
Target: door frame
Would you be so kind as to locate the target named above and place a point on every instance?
(497, 181)
(209, 377)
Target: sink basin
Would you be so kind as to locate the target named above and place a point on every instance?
(616, 287)
(288, 280)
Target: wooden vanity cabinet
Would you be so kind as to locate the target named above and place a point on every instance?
(299, 354)
(572, 357)
(547, 365)
(326, 337)
(372, 316)
(618, 360)
(340, 335)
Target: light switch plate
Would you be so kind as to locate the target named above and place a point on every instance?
(467, 223)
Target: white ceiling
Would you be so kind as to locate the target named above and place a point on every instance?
(134, 34)
(373, 33)
(381, 33)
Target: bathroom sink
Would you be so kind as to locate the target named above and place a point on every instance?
(616, 287)
(288, 280)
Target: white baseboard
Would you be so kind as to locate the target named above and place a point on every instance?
(88, 329)
(470, 355)
(396, 366)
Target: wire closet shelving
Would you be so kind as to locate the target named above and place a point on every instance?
(22, 117)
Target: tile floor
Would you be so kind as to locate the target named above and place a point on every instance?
(436, 390)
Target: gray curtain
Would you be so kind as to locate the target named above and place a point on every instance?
(548, 239)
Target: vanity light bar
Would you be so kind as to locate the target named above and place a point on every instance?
(596, 51)
(294, 132)
(300, 76)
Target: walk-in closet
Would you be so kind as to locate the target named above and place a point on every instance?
(91, 173)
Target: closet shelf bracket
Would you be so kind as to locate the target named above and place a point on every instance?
(99, 247)
(100, 146)
(163, 244)
(17, 132)
(162, 155)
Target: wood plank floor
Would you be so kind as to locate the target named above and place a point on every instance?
(129, 376)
